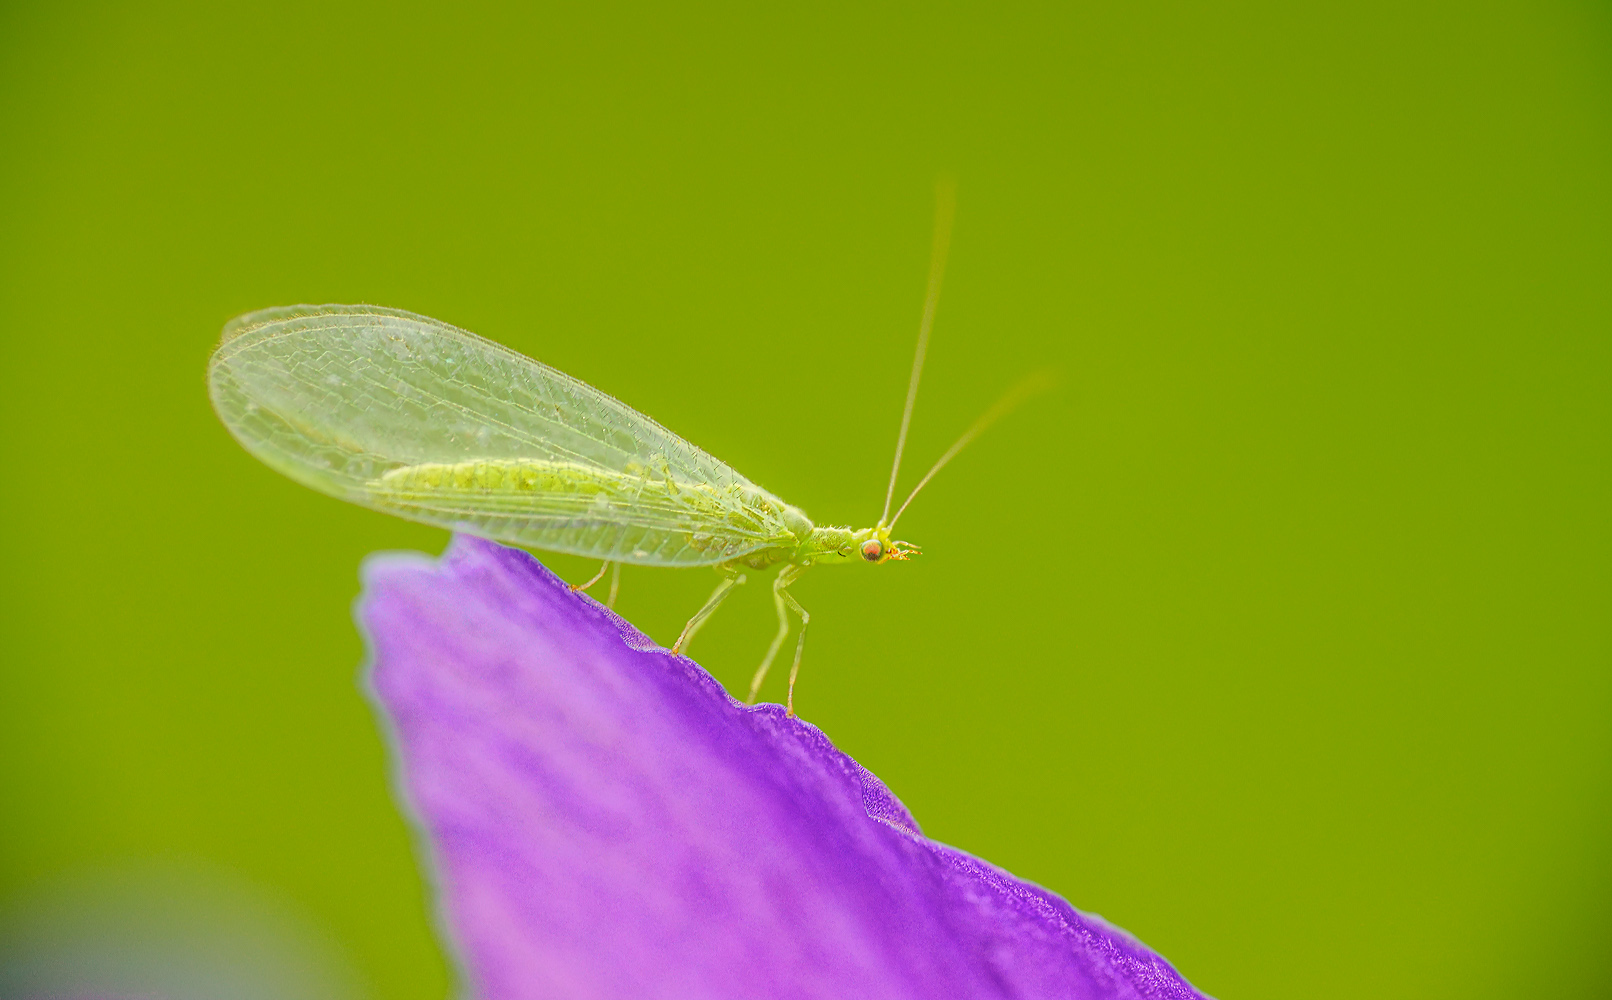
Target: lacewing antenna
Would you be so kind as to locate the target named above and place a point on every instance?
(1031, 385)
(945, 206)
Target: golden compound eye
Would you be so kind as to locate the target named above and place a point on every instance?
(872, 549)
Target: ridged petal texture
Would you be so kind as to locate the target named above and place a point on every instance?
(605, 821)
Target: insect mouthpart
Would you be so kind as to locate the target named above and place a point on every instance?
(902, 551)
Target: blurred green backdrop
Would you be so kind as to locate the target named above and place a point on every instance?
(1278, 635)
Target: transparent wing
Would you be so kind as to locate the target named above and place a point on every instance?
(415, 417)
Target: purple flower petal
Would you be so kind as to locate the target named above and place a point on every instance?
(607, 822)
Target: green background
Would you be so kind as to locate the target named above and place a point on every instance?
(1277, 635)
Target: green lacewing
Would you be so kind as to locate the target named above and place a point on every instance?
(408, 415)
